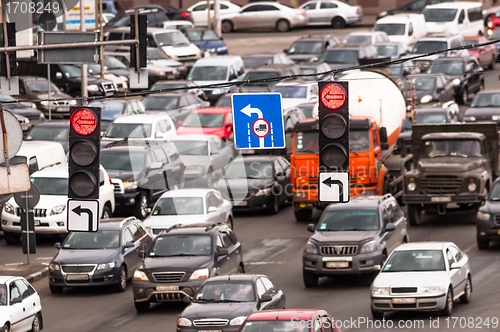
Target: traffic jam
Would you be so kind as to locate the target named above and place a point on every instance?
(346, 183)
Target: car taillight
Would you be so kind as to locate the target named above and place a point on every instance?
(110, 182)
(186, 15)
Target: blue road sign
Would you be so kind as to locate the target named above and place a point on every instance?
(258, 121)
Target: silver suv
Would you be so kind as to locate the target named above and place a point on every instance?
(353, 238)
(437, 42)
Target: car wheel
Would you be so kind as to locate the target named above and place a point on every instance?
(227, 26)
(414, 214)
(303, 215)
(377, 315)
(448, 308)
(241, 269)
(106, 212)
(230, 222)
(6, 328)
(465, 298)
(11, 238)
(35, 325)
(338, 23)
(142, 208)
(492, 64)
(310, 280)
(464, 97)
(275, 209)
(142, 306)
(122, 285)
(283, 26)
(482, 244)
(55, 289)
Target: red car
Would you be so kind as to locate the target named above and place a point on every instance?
(210, 121)
(486, 55)
(293, 320)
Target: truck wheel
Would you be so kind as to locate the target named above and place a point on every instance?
(482, 244)
(55, 289)
(310, 280)
(141, 306)
(377, 315)
(11, 238)
(414, 214)
(303, 215)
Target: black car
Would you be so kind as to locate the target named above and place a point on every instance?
(487, 224)
(347, 55)
(141, 173)
(257, 182)
(178, 105)
(223, 303)
(313, 69)
(112, 109)
(267, 72)
(55, 131)
(180, 86)
(415, 6)
(399, 70)
(181, 258)
(484, 107)
(427, 88)
(252, 61)
(310, 48)
(31, 112)
(466, 73)
(107, 257)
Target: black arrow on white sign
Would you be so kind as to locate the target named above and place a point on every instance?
(329, 182)
(78, 210)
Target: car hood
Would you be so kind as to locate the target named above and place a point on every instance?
(181, 50)
(199, 130)
(122, 175)
(218, 310)
(94, 256)
(164, 63)
(410, 279)
(176, 263)
(450, 164)
(196, 160)
(425, 58)
(47, 202)
(53, 95)
(304, 57)
(482, 113)
(164, 222)
(343, 236)
(24, 111)
(239, 188)
(202, 83)
(207, 44)
(341, 65)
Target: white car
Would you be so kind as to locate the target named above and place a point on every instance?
(332, 12)
(294, 93)
(372, 37)
(200, 15)
(189, 206)
(50, 212)
(179, 24)
(422, 276)
(20, 305)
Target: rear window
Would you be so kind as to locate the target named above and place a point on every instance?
(440, 14)
(51, 186)
(392, 29)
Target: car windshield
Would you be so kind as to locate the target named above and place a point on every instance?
(358, 39)
(51, 186)
(469, 42)
(201, 35)
(204, 120)
(252, 170)
(41, 133)
(440, 14)
(495, 192)
(291, 91)
(224, 101)
(308, 110)
(181, 245)
(415, 260)
(156, 54)
(178, 206)
(486, 100)
(234, 291)
(163, 103)
(71, 71)
(277, 326)
(261, 75)
(167, 85)
(445, 148)
(387, 50)
(175, 38)
(392, 29)
(397, 69)
(111, 63)
(340, 56)
(208, 73)
(40, 86)
(102, 239)
(122, 160)
(349, 220)
(3, 296)
(306, 142)
(129, 130)
(306, 47)
(423, 84)
(256, 61)
(359, 140)
(192, 148)
(426, 117)
(447, 67)
(429, 46)
(110, 110)
(119, 21)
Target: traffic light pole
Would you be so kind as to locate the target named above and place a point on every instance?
(83, 68)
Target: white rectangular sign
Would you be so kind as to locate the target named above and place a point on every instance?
(72, 19)
(83, 215)
(334, 187)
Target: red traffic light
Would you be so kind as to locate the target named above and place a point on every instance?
(333, 96)
(83, 121)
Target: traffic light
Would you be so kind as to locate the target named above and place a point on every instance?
(333, 126)
(83, 159)
(141, 30)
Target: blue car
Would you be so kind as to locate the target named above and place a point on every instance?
(207, 40)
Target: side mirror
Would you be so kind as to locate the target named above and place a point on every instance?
(383, 138)
(129, 244)
(266, 298)
(439, 90)
(223, 252)
(156, 165)
(212, 209)
(410, 33)
(187, 299)
(229, 125)
(221, 38)
(57, 245)
(311, 228)
(279, 174)
(59, 75)
(390, 227)
(455, 266)
(285, 51)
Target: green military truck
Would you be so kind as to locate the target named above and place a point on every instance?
(452, 164)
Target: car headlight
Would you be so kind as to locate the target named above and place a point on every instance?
(194, 168)
(140, 275)
(470, 118)
(106, 266)
(221, 48)
(456, 82)
(483, 216)
(426, 290)
(380, 290)
(199, 274)
(123, 78)
(238, 320)
(368, 247)
(411, 186)
(130, 185)
(9, 208)
(263, 192)
(495, 117)
(44, 103)
(92, 88)
(181, 321)
(426, 99)
(54, 266)
(384, 13)
(211, 50)
(471, 186)
(311, 249)
(57, 209)
(42, 116)
(161, 73)
(72, 102)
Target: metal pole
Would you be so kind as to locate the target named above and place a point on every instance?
(101, 38)
(27, 230)
(6, 41)
(217, 23)
(209, 21)
(84, 65)
(68, 45)
(48, 78)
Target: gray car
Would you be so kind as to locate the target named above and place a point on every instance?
(354, 238)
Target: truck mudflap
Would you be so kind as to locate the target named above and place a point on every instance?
(459, 199)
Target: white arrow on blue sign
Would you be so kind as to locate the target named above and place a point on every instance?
(258, 121)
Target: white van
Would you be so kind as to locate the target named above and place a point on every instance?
(402, 28)
(42, 154)
(465, 18)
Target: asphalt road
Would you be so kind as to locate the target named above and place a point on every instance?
(273, 246)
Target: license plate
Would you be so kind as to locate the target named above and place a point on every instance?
(62, 109)
(242, 203)
(37, 222)
(337, 265)
(167, 288)
(441, 199)
(404, 300)
(77, 277)
(208, 330)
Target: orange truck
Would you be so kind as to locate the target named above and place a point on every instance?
(377, 110)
